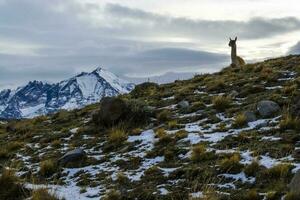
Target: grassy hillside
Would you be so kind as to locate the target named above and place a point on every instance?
(190, 139)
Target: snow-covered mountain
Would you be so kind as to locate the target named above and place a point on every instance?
(37, 97)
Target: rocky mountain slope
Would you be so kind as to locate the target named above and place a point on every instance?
(37, 98)
(229, 135)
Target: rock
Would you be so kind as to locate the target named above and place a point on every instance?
(112, 110)
(296, 154)
(234, 94)
(74, 155)
(183, 104)
(295, 183)
(150, 109)
(250, 116)
(267, 108)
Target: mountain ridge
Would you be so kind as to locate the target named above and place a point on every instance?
(40, 97)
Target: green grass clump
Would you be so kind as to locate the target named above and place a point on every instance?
(197, 106)
(240, 121)
(48, 168)
(278, 171)
(199, 153)
(113, 195)
(181, 134)
(56, 143)
(289, 122)
(43, 194)
(10, 188)
(164, 115)
(163, 137)
(216, 85)
(172, 124)
(117, 136)
(251, 195)
(252, 169)
(290, 90)
(231, 164)
(220, 103)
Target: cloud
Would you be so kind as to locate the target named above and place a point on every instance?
(177, 26)
(295, 49)
(53, 40)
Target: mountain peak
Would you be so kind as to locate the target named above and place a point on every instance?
(39, 97)
(98, 69)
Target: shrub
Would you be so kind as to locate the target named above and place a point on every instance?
(290, 90)
(291, 196)
(113, 195)
(12, 146)
(169, 154)
(197, 106)
(115, 110)
(198, 152)
(43, 194)
(278, 171)
(48, 168)
(221, 102)
(10, 189)
(252, 169)
(117, 136)
(4, 154)
(181, 134)
(122, 179)
(231, 164)
(172, 124)
(55, 143)
(163, 137)
(144, 90)
(289, 122)
(240, 121)
(216, 85)
(153, 173)
(251, 195)
(164, 115)
(222, 127)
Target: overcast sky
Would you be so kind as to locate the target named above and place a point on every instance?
(55, 39)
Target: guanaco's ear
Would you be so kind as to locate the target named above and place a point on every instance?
(235, 39)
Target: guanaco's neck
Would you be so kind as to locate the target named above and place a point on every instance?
(233, 52)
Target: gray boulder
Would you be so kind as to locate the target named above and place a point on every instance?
(250, 116)
(112, 110)
(183, 104)
(71, 156)
(295, 183)
(233, 94)
(267, 108)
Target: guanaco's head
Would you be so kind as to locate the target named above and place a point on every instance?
(232, 43)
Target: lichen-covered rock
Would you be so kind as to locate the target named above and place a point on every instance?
(183, 104)
(71, 156)
(250, 116)
(234, 94)
(267, 108)
(112, 110)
